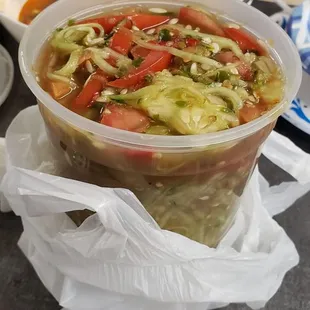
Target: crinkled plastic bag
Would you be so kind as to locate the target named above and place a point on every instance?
(120, 259)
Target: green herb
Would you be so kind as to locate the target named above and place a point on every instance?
(59, 29)
(122, 71)
(137, 62)
(164, 35)
(98, 106)
(204, 79)
(71, 22)
(92, 114)
(148, 79)
(119, 100)
(179, 72)
(183, 70)
(181, 103)
(221, 76)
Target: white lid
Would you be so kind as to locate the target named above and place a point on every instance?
(6, 74)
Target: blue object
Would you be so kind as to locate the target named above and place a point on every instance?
(297, 108)
(298, 28)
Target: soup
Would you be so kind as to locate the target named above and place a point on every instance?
(156, 72)
(32, 8)
(164, 73)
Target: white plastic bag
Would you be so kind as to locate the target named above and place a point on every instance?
(120, 259)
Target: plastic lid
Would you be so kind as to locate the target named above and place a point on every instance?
(6, 74)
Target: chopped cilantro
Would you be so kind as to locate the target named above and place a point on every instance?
(137, 62)
(122, 71)
(221, 76)
(148, 78)
(119, 100)
(98, 106)
(164, 35)
(205, 79)
(71, 22)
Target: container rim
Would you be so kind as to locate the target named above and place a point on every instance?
(142, 140)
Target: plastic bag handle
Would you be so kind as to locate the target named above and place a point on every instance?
(286, 155)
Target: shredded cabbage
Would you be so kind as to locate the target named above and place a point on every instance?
(265, 64)
(98, 56)
(225, 93)
(222, 42)
(69, 68)
(59, 78)
(184, 105)
(121, 60)
(69, 39)
(178, 53)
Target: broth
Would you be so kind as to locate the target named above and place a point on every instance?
(159, 72)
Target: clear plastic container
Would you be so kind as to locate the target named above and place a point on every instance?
(189, 184)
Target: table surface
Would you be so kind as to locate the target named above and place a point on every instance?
(20, 288)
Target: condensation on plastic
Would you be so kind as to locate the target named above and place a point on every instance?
(120, 259)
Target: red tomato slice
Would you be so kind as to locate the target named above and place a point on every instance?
(200, 19)
(139, 51)
(155, 61)
(107, 22)
(250, 112)
(225, 57)
(245, 71)
(145, 21)
(191, 42)
(121, 41)
(245, 40)
(126, 118)
(139, 156)
(90, 90)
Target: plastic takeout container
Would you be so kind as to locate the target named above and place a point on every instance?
(189, 184)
